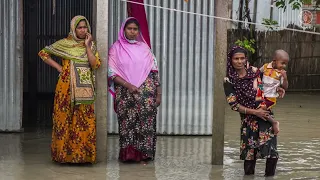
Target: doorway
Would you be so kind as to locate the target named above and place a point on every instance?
(44, 23)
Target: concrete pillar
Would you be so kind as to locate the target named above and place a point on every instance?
(100, 29)
(220, 10)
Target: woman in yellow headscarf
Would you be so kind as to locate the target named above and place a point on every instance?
(74, 123)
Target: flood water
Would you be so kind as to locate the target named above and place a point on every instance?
(27, 157)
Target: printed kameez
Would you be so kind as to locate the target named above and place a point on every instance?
(257, 137)
(134, 62)
(74, 123)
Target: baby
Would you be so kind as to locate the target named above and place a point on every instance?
(275, 82)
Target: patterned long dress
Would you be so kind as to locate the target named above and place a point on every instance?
(137, 120)
(74, 127)
(257, 138)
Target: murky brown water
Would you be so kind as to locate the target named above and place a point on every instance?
(27, 157)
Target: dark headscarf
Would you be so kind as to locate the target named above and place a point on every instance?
(245, 93)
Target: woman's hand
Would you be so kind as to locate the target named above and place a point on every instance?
(88, 40)
(132, 88)
(158, 100)
(263, 114)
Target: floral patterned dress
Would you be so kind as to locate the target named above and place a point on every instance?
(74, 126)
(137, 120)
(257, 138)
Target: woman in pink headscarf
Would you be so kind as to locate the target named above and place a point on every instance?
(134, 84)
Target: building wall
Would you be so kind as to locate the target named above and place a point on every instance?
(11, 60)
(284, 18)
(315, 13)
(184, 47)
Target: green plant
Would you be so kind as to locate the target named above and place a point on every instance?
(269, 23)
(248, 44)
(295, 4)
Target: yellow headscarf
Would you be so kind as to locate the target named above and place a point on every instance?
(72, 48)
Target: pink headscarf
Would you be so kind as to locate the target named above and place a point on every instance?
(131, 61)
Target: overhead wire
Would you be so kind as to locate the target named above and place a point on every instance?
(222, 18)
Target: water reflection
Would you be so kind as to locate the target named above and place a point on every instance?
(27, 156)
(189, 158)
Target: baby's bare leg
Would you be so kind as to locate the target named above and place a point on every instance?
(275, 125)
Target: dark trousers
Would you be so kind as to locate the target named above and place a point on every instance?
(271, 164)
